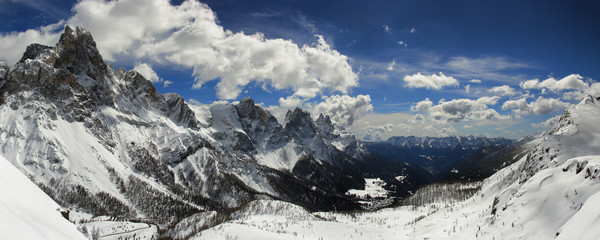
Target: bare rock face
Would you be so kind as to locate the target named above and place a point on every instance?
(299, 124)
(259, 124)
(77, 53)
(179, 111)
(33, 51)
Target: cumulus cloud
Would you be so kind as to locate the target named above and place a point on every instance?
(194, 102)
(433, 81)
(475, 81)
(290, 102)
(13, 45)
(594, 90)
(448, 131)
(540, 106)
(344, 109)
(189, 35)
(503, 90)
(573, 81)
(458, 110)
(377, 133)
(441, 132)
(548, 123)
(422, 106)
(147, 71)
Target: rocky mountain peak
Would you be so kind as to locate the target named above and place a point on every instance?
(247, 109)
(76, 51)
(324, 124)
(179, 111)
(299, 124)
(33, 51)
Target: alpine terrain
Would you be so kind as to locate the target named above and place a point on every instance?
(550, 192)
(106, 143)
(119, 160)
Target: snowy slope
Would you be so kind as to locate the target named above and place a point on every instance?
(552, 193)
(26, 212)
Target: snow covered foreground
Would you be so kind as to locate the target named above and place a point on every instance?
(551, 193)
(26, 212)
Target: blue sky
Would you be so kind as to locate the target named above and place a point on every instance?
(383, 68)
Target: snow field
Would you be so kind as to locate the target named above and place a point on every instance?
(26, 212)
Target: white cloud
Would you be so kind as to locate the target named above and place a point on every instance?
(530, 84)
(146, 71)
(390, 66)
(194, 102)
(155, 31)
(13, 44)
(594, 90)
(387, 29)
(475, 81)
(418, 118)
(467, 88)
(413, 30)
(290, 102)
(458, 110)
(486, 68)
(447, 131)
(377, 133)
(540, 106)
(166, 83)
(433, 81)
(548, 123)
(483, 64)
(422, 106)
(344, 109)
(573, 81)
(402, 43)
(503, 90)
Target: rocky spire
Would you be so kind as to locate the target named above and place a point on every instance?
(33, 51)
(299, 124)
(77, 53)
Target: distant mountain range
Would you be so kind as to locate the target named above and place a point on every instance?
(440, 156)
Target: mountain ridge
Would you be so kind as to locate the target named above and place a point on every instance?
(107, 142)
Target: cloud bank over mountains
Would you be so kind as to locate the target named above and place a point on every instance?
(482, 90)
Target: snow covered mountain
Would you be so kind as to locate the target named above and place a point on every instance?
(26, 212)
(106, 142)
(440, 156)
(550, 192)
(451, 142)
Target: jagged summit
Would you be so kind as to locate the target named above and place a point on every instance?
(33, 51)
(299, 123)
(77, 53)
